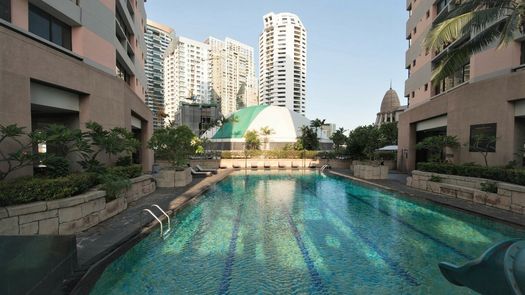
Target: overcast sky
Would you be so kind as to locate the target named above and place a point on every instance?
(354, 47)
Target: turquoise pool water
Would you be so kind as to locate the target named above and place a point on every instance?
(303, 233)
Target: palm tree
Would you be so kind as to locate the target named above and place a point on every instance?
(265, 132)
(317, 123)
(470, 27)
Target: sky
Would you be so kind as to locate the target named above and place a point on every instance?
(355, 48)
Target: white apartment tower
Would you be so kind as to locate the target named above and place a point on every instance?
(232, 74)
(186, 74)
(158, 37)
(282, 50)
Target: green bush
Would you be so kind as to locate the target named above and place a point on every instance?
(515, 176)
(113, 184)
(435, 178)
(131, 171)
(32, 189)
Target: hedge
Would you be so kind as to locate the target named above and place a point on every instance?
(515, 176)
(32, 189)
(130, 171)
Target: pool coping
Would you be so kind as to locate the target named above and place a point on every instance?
(503, 216)
(190, 196)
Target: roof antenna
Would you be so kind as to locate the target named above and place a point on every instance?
(390, 83)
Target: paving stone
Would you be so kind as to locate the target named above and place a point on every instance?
(26, 208)
(72, 227)
(517, 209)
(66, 202)
(93, 195)
(48, 226)
(93, 206)
(112, 208)
(9, 226)
(518, 198)
(29, 228)
(38, 216)
(480, 197)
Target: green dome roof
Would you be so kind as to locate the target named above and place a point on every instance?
(239, 122)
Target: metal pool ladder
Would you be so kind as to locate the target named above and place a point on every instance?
(163, 234)
(323, 168)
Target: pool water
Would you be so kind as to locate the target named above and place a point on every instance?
(303, 233)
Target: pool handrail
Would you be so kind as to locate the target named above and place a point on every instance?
(167, 216)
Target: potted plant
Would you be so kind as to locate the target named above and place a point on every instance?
(175, 145)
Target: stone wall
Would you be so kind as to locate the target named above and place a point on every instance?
(370, 171)
(509, 197)
(274, 163)
(70, 215)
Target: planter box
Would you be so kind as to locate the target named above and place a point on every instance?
(170, 178)
(371, 172)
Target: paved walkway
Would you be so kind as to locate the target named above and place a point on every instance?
(397, 183)
(98, 241)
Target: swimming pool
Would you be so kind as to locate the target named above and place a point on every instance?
(303, 233)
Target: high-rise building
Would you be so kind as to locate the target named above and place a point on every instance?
(232, 74)
(186, 74)
(282, 57)
(71, 62)
(484, 96)
(158, 38)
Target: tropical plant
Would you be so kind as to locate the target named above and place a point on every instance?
(339, 138)
(308, 139)
(175, 145)
(252, 140)
(436, 146)
(21, 143)
(363, 141)
(483, 144)
(316, 124)
(266, 132)
(474, 26)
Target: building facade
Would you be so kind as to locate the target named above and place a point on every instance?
(73, 62)
(485, 96)
(232, 74)
(390, 109)
(282, 57)
(186, 75)
(198, 117)
(158, 37)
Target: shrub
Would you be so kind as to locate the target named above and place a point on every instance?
(515, 176)
(131, 171)
(32, 189)
(124, 161)
(490, 187)
(113, 184)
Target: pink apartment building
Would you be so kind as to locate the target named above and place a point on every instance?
(74, 61)
(487, 95)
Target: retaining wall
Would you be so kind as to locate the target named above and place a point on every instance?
(70, 215)
(274, 163)
(509, 197)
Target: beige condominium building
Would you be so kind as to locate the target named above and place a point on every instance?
(71, 62)
(232, 74)
(486, 96)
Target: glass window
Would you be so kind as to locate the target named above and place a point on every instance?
(483, 138)
(5, 10)
(48, 27)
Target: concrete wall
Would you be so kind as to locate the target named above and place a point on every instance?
(486, 101)
(70, 215)
(103, 98)
(509, 197)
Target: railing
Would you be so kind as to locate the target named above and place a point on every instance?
(163, 234)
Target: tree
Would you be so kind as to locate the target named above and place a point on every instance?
(265, 132)
(252, 140)
(308, 139)
(363, 141)
(339, 138)
(483, 144)
(317, 123)
(388, 133)
(175, 145)
(436, 146)
(481, 23)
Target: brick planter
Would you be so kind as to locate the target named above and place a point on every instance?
(70, 215)
(509, 197)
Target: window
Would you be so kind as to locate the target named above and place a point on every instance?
(48, 27)
(522, 57)
(483, 138)
(426, 87)
(428, 14)
(5, 10)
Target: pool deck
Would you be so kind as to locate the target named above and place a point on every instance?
(397, 183)
(100, 240)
